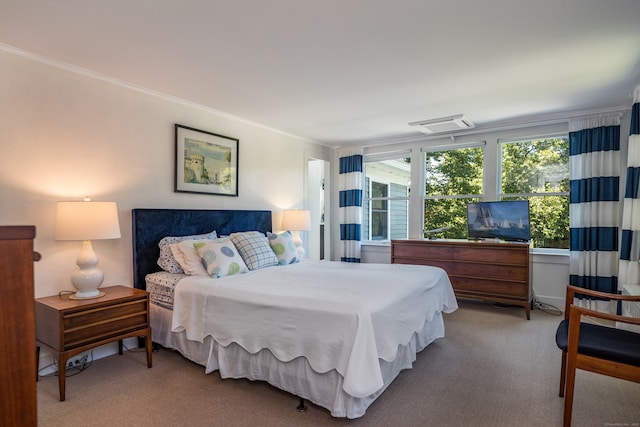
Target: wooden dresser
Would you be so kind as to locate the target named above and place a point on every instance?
(489, 271)
(17, 327)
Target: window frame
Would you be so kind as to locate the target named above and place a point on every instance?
(368, 201)
(423, 153)
(502, 196)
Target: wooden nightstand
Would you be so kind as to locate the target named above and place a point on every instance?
(68, 327)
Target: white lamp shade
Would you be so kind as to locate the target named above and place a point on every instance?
(87, 221)
(296, 220)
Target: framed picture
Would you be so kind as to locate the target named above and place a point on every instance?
(206, 162)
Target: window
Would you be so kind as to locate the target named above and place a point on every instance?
(453, 178)
(379, 211)
(538, 170)
(463, 171)
(386, 199)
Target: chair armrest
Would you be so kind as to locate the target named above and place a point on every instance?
(573, 290)
(582, 291)
(581, 311)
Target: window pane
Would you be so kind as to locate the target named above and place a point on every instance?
(451, 173)
(549, 221)
(377, 205)
(379, 225)
(378, 189)
(536, 166)
(451, 213)
(454, 172)
(385, 204)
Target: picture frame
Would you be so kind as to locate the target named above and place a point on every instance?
(206, 162)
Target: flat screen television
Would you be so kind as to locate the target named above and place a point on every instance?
(505, 220)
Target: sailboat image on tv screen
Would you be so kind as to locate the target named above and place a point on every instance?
(507, 220)
(484, 219)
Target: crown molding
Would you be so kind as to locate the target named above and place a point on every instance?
(151, 92)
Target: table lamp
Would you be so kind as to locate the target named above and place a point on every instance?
(86, 221)
(296, 220)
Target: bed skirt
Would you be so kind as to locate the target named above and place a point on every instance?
(296, 376)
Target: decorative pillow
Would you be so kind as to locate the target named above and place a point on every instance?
(254, 249)
(166, 261)
(187, 257)
(220, 257)
(284, 247)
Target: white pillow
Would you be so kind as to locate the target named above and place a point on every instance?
(186, 255)
(220, 257)
(254, 249)
(166, 261)
(284, 247)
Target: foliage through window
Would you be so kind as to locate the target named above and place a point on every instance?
(538, 170)
(453, 178)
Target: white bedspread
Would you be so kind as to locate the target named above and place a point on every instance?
(338, 315)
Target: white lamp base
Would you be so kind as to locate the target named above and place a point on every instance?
(88, 277)
(76, 297)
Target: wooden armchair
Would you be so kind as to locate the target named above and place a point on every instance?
(601, 349)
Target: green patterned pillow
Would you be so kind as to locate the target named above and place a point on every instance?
(284, 247)
(220, 257)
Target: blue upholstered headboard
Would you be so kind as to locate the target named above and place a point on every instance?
(151, 225)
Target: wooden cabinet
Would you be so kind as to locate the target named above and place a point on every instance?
(490, 271)
(17, 327)
(68, 327)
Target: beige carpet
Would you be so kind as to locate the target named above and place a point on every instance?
(494, 368)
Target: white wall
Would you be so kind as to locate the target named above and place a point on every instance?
(66, 135)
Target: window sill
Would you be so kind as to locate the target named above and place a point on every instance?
(376, 243)
(550, 251)
(534, 251)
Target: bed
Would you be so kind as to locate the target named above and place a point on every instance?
(335, 334)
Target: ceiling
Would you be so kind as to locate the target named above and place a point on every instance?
(346, 72)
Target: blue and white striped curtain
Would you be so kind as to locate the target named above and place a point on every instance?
(350, 184)
(630, 245)
(594, 146)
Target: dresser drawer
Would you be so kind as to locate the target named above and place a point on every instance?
(518, 256)
(515, 273)
(469, 286)
(422, 251)
(446, 266)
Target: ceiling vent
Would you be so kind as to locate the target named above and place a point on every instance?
(444, 124)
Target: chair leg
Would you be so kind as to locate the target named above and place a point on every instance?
(570, 383)
(563, 373)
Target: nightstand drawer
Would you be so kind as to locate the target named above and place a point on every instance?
(88, 326)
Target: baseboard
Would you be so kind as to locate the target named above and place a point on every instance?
(48, 366)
